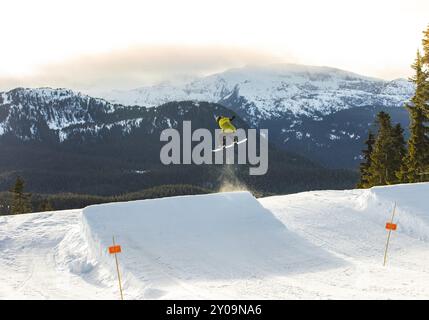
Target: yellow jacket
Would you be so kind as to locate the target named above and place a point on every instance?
(226, 125)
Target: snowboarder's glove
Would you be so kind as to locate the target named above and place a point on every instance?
(232, 118)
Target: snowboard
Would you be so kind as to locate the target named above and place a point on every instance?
(229, 145)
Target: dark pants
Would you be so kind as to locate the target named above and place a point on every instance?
(223, 136)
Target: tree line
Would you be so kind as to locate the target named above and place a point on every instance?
(17, 201)
(388, 158)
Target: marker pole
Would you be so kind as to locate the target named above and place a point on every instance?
(117, 269)
(388, 236)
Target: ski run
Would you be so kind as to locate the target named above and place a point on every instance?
(311, 245)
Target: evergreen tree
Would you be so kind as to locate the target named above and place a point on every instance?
(426, 110)
(364, 166)
(425, 43)
(399, 145)
(416, 161)
(46, 205)
(21, 201)
(385, 158)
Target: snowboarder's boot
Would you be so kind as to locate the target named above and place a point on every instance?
(224, 141)
(235, 139)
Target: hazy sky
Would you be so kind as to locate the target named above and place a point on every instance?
(102, 44)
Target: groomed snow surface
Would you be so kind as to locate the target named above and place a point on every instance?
(312, 245)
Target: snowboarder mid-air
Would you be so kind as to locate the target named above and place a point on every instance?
(227, 128)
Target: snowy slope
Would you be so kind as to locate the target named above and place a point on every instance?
(317, 245)
(43, 256)
(180, 244)
(270, 91)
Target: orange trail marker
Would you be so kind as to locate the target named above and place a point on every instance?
(115, 249)
(389, 226)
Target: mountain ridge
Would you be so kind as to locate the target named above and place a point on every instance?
(318, 112)
(60, 142)
(309, 110)
(270, 91)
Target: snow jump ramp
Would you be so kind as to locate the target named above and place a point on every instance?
(189, 239)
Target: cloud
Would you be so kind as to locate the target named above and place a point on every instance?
(137, 66)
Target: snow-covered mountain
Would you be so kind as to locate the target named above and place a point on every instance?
(320, 112)
(61, 115)
(271, 91)
(27, 113)
(56, 138)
